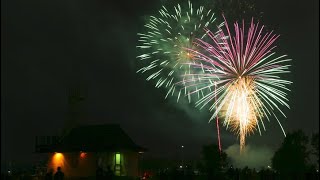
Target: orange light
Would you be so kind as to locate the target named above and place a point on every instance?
(83, 154)
(58, 159)
(58, 155)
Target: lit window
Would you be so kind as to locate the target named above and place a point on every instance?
(117, 159)
(118, 164)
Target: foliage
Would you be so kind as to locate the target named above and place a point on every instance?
(214, 161)
(291, 158)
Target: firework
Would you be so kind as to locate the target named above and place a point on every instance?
(246, 75)
(162, 45)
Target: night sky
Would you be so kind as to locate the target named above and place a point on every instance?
(49, 47)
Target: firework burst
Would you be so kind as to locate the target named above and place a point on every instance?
(246, 75)
(164, 42)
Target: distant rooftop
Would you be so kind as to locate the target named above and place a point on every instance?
(93, 138)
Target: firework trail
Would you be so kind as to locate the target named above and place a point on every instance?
(163, 42)
(247, 75)
(217, 122)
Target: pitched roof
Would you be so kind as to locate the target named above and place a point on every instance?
(95, 138)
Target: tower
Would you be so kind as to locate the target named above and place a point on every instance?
(76, 107)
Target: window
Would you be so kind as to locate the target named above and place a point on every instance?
(118, 164)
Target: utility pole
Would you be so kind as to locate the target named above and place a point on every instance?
(182, 156)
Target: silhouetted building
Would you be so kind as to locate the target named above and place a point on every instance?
(86, 148)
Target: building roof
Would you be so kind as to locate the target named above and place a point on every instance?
(94, 138)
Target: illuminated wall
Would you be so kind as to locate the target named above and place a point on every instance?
(78, 164)
(57, 160)
(122, 163)
(82, 164)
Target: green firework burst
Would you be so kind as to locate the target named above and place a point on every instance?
(165, 40)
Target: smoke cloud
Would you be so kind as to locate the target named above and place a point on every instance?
(253, 156)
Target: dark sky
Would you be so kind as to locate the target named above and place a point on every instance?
(50, 46)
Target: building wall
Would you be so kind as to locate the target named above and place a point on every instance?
(128, 162)
(79, 164)
(131, 160)
(74, 164)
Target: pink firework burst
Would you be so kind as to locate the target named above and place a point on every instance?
(246, 73)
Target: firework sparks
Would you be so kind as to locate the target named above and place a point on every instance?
(163, 43)
(240, 108)
(246, 74)
(240, 9)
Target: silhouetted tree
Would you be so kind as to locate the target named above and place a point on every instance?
(214, 161)
(290, 160)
